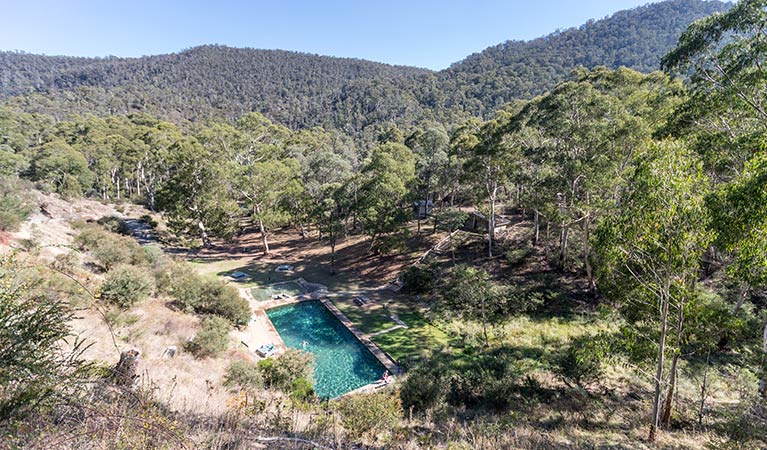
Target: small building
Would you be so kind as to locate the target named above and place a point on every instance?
(477, 223)
(422, 208)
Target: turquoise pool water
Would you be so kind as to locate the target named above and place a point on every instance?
(343, 363)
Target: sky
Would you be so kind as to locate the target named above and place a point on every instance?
(423, 33)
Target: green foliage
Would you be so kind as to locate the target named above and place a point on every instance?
(109, 249)
(211, 340)
(370, 415)
(283, 371)
(302, 390)
(360, 96)
(114, 224)
(450, 219)
(16, 204)
(243, 375)
(62, 167)
(194, 293)
(126, 286)
(580, 363)
(488, 379)
(34, 368)
(419, 279)
(386, 177)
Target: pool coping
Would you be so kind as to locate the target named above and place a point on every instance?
(382, 357)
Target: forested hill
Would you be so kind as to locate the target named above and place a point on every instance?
(636, 38)
(303, 90)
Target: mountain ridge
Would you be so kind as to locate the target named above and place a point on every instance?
(303, 90)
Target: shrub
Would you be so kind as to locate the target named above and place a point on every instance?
(302, 390)
(194, 293)
(517, 256)
(243, 374)
(147, 219)
(421, 390)
(212, 339)
(15, 204)
(370, 415)
(283, 371)
(127, 285)
(110, 249)
(35, 368)
(419, 279)
(114, 224)
(580, 364)
(223, 300)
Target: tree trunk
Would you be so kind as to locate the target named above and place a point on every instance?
(563, 237)
(537, 227)
(763, 382)
(661, 358)
(491, 223)
(704, 391)
(264, 239)
(668, 407)
(587, 255)
(203, 234)
(669, 404)
(484, 323)
(741, 297)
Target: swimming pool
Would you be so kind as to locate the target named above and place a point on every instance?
(343, 363)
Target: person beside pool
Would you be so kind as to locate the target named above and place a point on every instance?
(386, 378)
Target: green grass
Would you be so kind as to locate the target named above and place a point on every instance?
(414, 341)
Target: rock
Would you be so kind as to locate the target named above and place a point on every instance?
(169, 352)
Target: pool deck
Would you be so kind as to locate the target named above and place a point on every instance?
(269, 334)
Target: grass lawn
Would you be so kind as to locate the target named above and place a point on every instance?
(414, 341)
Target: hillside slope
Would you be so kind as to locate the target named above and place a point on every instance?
(302, 90)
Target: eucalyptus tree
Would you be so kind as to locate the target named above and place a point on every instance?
(650, 251)
(726, 114)
(195, 197)
(262, 173)
(384, 184)
(430, 146)
(486, 166)
(726, 117)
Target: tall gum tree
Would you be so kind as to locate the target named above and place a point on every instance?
(650, 251)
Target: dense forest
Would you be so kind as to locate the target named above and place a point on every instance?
(301, 90)
(625, 306)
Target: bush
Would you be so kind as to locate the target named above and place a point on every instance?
(580, 364)
(419, 279)
(517, 256)
(283, 371)
(194, 293)
(302, 390)
(148, 220)
(35, 368)
(370, 415)
(422, 390)
(212, 339)
(114, 224)
(110, 249)
(223, 300)
(243, 374)
(127, 285)
(15, 204)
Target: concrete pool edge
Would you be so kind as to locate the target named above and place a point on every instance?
(382, 357)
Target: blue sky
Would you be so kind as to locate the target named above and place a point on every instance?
(425, 33)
